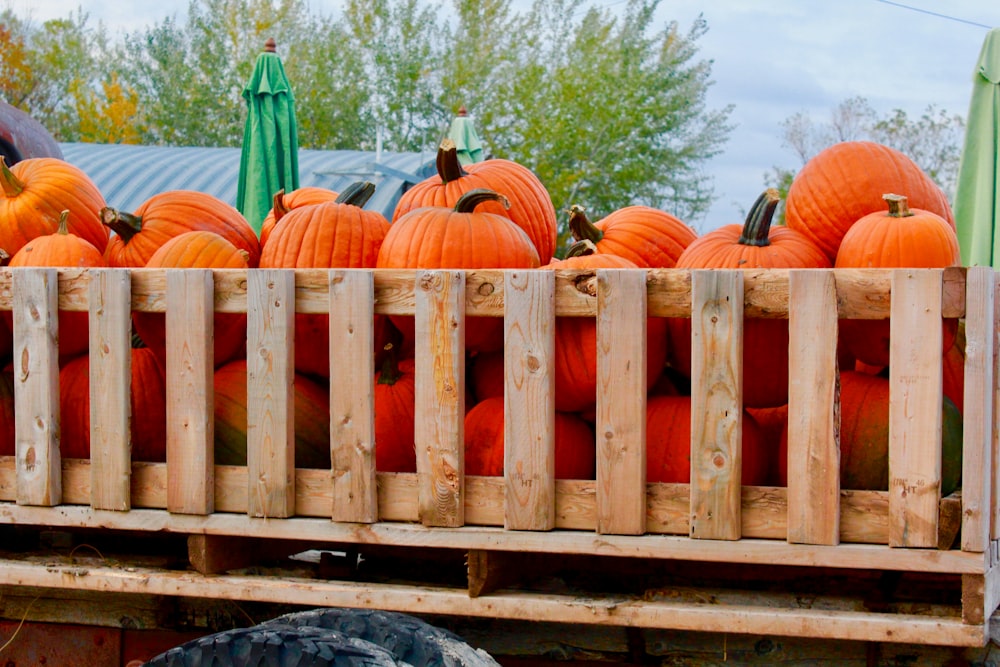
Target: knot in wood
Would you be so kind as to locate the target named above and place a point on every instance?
(532, 363)
(486, 289)
(718, 460)
(586, 283)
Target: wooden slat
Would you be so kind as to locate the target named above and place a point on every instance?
(190, 395)
(110, 389)
(813, 410)
(716, 403)
(978, 415)
(36, 386)
(992, 510)
(352, 412)
(915, 420)
(621, 402)
(270, 395)
(439, 395)
(529, 400)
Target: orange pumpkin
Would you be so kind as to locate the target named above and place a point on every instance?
(285, 202)
(899, 237)
(168, 214)
(647, 236)
(529, 204)
(753, 245)
(394, 399)
(200, 249)
(36, 191)
(846, 181)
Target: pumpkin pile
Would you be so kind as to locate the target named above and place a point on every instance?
(856, 204)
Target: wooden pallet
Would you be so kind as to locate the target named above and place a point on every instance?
(812, 523)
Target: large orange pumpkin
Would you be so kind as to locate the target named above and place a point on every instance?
(200, 249)
(394, 399)
(846, 181)
(575, 450)
(529, 203)
(461, 236)
(337, 234)
(168, 214)
(285, 202)
(36, 191)
(647, 236)
(576, 343)
(755, 244)
(899, 237)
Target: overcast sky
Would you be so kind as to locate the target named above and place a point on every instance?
(772, 59)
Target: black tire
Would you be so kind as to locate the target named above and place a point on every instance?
(409, 639)
(276, 645)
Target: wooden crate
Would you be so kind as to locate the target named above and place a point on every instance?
(714, 520)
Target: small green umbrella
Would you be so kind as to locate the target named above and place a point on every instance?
(977, 206)
(467, 143)
(270, 158)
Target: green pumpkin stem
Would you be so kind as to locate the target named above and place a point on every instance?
(448, 166)
(757, 227)
(899, 207)
(12, 186)
(468, 202)
(581, 227)
(356, 194)
(581, 248)
(125, 225)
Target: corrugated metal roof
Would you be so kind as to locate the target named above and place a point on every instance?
(128, 175)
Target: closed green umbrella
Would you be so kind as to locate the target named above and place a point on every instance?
(467, 143)
(270, 158)
(977, 207)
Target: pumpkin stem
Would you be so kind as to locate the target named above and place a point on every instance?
(278, 204)
(898, 206)
(468, 202)
(4, 257)
(448, 166)
(12, 186)
(125, 225)
(63, 222)
(390, 366)
(757, 227)
(581, 248)
(580, 225)
(356, 194)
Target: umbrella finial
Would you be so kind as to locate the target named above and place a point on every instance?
(270, 45)
(462, 111)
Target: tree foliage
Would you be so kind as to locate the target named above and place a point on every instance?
(607, 109)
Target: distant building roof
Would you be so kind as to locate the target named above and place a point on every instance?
(128, 175)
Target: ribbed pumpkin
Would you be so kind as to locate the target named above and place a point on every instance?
(575, 451)
(899, 237)
(668, 445)
(753, 245)
(197, 250)
(394, 413)
(647, 236)
(285, 202)
(530, 206)
(339, 234)
(149, 407)
(846, 181)
(62, 249)
(576, 343)
(864, 436)
(35, 193)
(312, 418)
(461, 236)
(168, 214)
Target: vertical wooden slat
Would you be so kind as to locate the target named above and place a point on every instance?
(270, 395)
(190, 394)
(813, 409)
(915, 408)
(977, 418)
(110, 389)
(529, 400)
(352, 411)
(36, 386)
(439, 379)
(716, 403)
(994, 507)
(621, 401)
